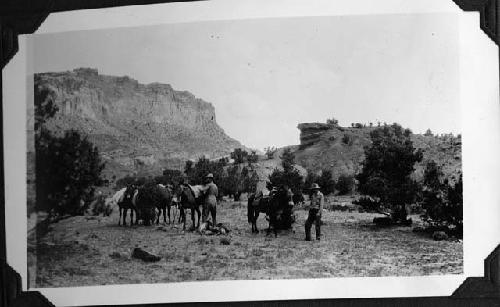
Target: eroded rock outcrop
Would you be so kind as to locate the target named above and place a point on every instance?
(135, 126)
(341, 149)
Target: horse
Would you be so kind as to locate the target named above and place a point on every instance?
(164, 202)
(281, 210)
(124, 200)
(257, 203)
(145, 200)
(277, 206)
(188, 199)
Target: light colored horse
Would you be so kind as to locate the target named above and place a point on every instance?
(125, 202)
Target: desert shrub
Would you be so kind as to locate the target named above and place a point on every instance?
(326, 182)
(170, 176)
(289, 178)
(332, 121)
(196, 172)
(387, 168)
(270, 151)
(345, 184)
(239, 155)
(442, 202)
(346, 139)
(358, 125)
(236, 181)
(249, 180)
(253, 158)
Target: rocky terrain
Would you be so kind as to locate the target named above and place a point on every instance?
(137, 127)
(341, 149)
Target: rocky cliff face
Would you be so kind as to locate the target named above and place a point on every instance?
(137, 127)
(341, 149)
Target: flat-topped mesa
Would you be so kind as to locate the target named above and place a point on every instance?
(84, 93)
(310, 133)
(86, 72)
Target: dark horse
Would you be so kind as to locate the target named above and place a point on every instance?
(278, 207)
(187, 200)
(163, 202)
(125, 203)
(256, 204)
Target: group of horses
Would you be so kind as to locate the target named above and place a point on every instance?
(150, 202)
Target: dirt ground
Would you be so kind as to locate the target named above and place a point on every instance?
(81, 251)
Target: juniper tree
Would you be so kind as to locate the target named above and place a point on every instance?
(67, 168)
(289, 176)
(442, 201)
(387, 168)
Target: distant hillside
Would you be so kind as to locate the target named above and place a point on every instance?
(137, 127)
(340, 149)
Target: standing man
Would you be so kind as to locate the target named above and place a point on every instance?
(210, 192)
(315, 211)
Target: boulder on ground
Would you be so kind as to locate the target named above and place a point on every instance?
(139, 253)
(439, 236)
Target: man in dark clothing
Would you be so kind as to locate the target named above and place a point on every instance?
(315, 211)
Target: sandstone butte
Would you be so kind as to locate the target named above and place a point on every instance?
(341, 149)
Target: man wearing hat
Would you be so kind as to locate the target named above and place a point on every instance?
(210, 191)
(315, 211)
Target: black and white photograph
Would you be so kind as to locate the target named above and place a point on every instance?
(180, 156)
(251, 149)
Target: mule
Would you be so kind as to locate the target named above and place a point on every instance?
(124, 200)
(277, 206)
(189, 200)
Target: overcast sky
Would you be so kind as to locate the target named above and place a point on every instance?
(265, 76)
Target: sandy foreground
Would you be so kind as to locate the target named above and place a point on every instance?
(85, 251)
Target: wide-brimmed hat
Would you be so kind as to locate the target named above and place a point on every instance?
(315, 186)
(210, 176)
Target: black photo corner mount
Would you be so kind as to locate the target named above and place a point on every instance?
(25, 16)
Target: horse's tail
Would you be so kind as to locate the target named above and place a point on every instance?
(250, 214)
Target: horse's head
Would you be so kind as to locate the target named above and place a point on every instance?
(181, 191)
(129, 193)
